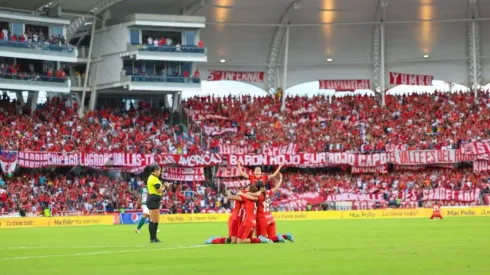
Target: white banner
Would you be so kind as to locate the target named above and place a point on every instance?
(231, 172)
(183, 174)
(236, 183)
(227, 149)
(217, 131)
(290, 149)
(8, 161)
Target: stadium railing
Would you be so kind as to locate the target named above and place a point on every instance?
(165, 79)
(37, 46)
(170, 49)
(42, 78)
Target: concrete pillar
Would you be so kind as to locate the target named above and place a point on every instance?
(32, 100)
(20, 97)
(93, 99)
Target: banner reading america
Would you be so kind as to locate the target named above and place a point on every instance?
(344, 85)
(411, 79)
(236, 76)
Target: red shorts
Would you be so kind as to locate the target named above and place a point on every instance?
(246, 229)
(233, 225)
(266, 227)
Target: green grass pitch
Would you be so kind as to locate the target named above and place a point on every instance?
(391, 246)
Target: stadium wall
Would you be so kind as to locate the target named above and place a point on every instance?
(133, 218)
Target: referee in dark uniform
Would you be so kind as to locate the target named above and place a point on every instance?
(155, 191)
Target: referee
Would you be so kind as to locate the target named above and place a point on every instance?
(155, 191)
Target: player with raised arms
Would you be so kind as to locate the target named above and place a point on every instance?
(266, 225)
(257, 175)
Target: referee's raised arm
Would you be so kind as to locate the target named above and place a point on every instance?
(155, 191)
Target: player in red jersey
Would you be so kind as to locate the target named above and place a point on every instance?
(257, 175)
(266, 225)
(437, 212)
(249, 220)
(233, 221)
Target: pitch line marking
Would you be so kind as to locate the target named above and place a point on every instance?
(101, 252)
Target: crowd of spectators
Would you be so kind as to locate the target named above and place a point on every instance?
(350, 124)
(55, 127)
(11, 71)
(32, 38)
(96, 192)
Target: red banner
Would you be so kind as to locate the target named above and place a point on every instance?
(296, 201)
(423, 167)
(304, 111)
(236, 183)
(476, 148)
(310, 160)
(344, 85)
(217, 131)
(428, 157)
(411, 79)
(383, 169)
(481, 166)
(44, 159)
(183, 174)
(443, 194)
(355, 197)
(233, 149)
(231, 172)
(290, 149)
(236, 76)
(188, 160)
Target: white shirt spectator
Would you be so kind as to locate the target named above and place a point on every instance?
(169, 41)
(178, 47)
(150, 41)
(5, 34)
(155, 42)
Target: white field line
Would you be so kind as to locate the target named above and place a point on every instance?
(101, 252)
(73, 246)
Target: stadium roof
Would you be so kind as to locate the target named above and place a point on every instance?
(241, 31)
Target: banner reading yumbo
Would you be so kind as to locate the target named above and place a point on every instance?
(236, 76)
(183, 174)
(410, 79)
(344, 85)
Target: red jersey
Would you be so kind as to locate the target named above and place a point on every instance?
(253, 179)
(250, 210)
(237, 210)
(436, 208)
(263, 208)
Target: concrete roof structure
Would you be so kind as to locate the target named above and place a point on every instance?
(243, 31)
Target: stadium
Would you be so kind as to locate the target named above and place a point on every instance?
(189, 136)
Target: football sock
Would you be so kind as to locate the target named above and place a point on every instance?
(141, 223)
(254, 240)
(219, 241)
(151, 227)
(274, 239)
(155, 230)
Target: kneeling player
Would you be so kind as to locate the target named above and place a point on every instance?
(249, 220)
(266, 225)
(233, 223)
(437, 212)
